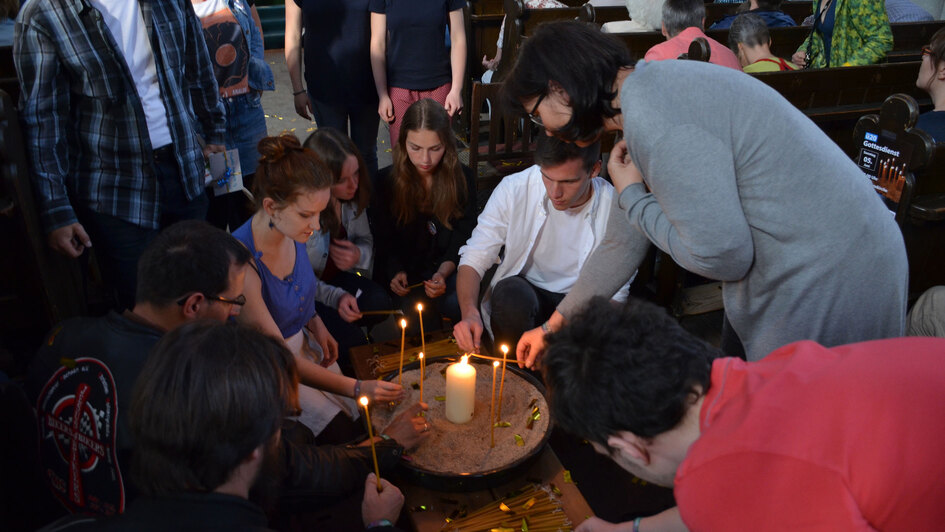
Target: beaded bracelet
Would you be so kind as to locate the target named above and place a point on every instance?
(296, 93)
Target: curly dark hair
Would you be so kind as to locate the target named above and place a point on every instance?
(630, 368)
(580, 58)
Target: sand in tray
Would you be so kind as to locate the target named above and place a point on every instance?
(457, 449)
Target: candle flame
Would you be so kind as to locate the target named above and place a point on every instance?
(364, 400)
(420, 355)
(505, 349)
(495, 364)
(419, 307)
(465, 358)
(403, 324)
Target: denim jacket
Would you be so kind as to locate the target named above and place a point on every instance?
(260, 75)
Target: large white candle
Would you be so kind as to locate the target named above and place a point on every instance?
(460, 391)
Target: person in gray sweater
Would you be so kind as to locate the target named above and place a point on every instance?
(743, 188)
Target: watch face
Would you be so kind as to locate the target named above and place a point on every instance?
(431, 227)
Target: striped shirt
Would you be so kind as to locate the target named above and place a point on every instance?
(85, 128)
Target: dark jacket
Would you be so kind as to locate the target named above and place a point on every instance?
(773, 19)
(206, 512)
(104, 356)
(419, 247)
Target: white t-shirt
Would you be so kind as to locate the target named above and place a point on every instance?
(554, 264)
(124, 20)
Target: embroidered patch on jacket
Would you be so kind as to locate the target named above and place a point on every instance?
(77, 411)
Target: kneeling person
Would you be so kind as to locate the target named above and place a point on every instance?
(806, 438)
(549, 218)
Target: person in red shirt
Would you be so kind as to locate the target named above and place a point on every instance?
(683, 21)
(813, 438)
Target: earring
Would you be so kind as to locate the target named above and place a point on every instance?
(271, 225)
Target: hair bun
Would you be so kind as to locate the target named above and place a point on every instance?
(271, 149)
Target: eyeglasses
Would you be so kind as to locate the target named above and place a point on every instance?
(536, 119)
(925, 51)
(239, 301)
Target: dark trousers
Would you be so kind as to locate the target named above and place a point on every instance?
(363, 120)
(349, 335)
(519, 306)
(731, 344)
(118, 244)
(434, 310)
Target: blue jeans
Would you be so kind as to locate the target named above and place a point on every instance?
(363, 120)
(245, 127)
(118, 244)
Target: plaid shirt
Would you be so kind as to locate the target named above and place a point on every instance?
(85, 128)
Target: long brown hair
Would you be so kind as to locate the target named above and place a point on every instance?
(447, 195)
(333, 147)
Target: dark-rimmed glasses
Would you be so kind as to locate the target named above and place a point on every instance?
(536, 119)
(239, 301)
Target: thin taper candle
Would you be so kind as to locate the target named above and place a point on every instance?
(423, 341)
(495, 366)
(403, 332)
(370, 431)
(421, 376)
(505, 354)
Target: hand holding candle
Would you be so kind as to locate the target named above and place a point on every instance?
(367, 417)
(460, 391)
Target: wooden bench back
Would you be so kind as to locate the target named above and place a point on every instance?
(510, 142)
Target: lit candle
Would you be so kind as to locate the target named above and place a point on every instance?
(495, 366)
(460, 391)
(403, 332)
(421, 376)
(370, 431)
(505, 353)
(423, 341)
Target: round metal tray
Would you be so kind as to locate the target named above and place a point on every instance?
(440, 481)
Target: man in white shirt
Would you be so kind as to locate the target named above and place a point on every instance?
(548, 218)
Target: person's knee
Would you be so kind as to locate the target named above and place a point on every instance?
(514, 296)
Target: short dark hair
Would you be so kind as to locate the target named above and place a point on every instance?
(681, 14)
(749, 29)
(208, 395)
(550, 151)
(189, 256)
(583, 60)
(630, 367)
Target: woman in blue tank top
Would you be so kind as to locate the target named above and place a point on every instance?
(292, 188)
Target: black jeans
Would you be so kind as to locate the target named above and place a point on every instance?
(434, 310)
(349, 335)
(118, 244)
(519, 306)
(363, 121)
